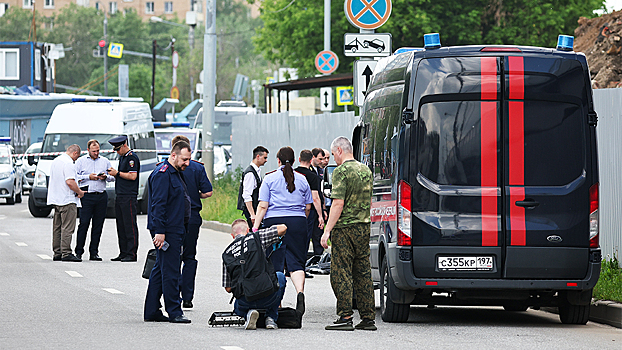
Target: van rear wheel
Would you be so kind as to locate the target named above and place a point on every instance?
(571, 313)
(390, 311)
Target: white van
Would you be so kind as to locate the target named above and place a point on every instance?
(79, 122)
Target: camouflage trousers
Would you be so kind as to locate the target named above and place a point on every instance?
(350, 270)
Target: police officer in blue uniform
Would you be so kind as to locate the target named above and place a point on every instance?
(168, 217)
(199, 187)
(126, 190)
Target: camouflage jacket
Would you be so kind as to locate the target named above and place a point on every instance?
(352, 182)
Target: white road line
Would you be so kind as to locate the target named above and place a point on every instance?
(73, 274)
(21, 244)
(231, 348)
(4, 234)
(25, 211)
(44, 257)
(113, 291)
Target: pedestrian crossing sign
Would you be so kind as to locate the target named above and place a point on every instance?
(115, 50)
(345, 95)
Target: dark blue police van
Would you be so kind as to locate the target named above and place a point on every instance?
(485, 178)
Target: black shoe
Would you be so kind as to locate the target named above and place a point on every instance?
(57, 258)
(366, 324)
(180, 319)
(118, 258)
(187, 304)
(95, 257)
(128, 259)
(79, 256)
(158, 318)
(308, 275)
(300, 303)
(342, 324)
(71, 258)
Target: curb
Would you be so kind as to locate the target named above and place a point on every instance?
(217, 226)
(601, 311)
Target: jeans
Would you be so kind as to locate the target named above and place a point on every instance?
(269, 303)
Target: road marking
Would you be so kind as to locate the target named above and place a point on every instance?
(113, 291)
(4, 234)
(25, 211)
(73, 273)
(21, 244)
(231, 348)
(44, 257)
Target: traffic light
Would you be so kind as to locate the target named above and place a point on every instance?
(102, 47)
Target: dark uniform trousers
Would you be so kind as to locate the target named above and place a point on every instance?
(189, 253)
(350, 270)
(314, 233)
(93, 207)
(164, 279)
(127, 229)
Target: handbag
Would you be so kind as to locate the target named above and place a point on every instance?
(151, 259)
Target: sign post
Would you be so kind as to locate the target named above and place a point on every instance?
(362, 76)
(115, 50)
(326, 99)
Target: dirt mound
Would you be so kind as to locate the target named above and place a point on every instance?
(600, 39)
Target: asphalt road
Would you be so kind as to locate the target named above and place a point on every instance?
(98, 305)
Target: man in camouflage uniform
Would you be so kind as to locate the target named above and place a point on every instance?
(349, 222)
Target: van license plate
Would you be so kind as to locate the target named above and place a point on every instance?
(465, 263)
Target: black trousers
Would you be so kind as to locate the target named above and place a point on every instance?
(188, 257)
(127, 229)
(314, 233)
(93, 210)
(247, 215)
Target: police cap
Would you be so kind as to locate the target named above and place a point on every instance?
(118, 141)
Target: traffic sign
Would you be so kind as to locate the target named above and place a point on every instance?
(115, 50)
(363, 71)
(365, 14)
(367, 44)
(345, 95)
(326, 99)
(175, 92)
(326, 62)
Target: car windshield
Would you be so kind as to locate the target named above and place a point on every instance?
(60, 142)
(4, 156)
(164, 138)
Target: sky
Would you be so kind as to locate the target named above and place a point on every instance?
(614, 4)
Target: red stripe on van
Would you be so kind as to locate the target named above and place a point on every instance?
(489, 78)
(516, 127)
(517, 78)
(490, 227)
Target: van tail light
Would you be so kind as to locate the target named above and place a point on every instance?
(403, 214)
(594, 216)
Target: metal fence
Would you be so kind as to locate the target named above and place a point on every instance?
(608, 105)
(276, 130)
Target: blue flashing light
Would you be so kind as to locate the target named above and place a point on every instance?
(565, 42)
(432, 41)
(5, 139)
(171, 124)
(85, 99)
(407, 49)
(180, 124)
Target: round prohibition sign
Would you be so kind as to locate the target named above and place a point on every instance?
(367, 14)
(326, 62)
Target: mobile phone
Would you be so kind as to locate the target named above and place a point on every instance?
(102, 173)
(164, 246)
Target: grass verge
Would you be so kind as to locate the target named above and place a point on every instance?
(609, 286)
(222, 206)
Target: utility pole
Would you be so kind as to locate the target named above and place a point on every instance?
(153, 72)
(209, 86)
(326, 25)
(105, 53)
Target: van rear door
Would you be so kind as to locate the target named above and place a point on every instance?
(546, 170)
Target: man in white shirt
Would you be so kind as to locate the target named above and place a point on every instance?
(92, 175)
(64, 194)
(248, 194)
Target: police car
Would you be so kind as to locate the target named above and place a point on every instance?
(10, 175)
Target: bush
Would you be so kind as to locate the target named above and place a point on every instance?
(609, 286)
(222, 206)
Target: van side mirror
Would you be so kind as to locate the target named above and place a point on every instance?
(408, 116)
(32, 160)
(327, 182)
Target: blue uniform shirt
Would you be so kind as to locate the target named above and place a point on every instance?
(167, 200)
(282, 203)
(196, 181)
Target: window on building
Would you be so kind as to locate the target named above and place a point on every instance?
(9, 64)
(149, 7)
(48, 4)
(168, 7)
(112, 7)
(3, 8)
(27, 4)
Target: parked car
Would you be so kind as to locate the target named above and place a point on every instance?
(27, 169)
(10, 175)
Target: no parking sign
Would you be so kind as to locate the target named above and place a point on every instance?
(366, 14)
(326, 62)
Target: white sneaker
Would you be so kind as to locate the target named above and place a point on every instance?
(270, 324)
(251, 319)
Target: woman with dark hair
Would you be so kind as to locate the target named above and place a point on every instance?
(285, 198)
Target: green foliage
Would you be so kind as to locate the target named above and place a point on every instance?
(16, 22)
(222, 206)
(294, 35)
(609, 286)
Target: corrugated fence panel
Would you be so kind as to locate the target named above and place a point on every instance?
(608, 106)
(277, 130)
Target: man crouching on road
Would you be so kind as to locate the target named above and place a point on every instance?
(250, 276)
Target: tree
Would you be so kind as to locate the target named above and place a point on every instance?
(16, 23)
